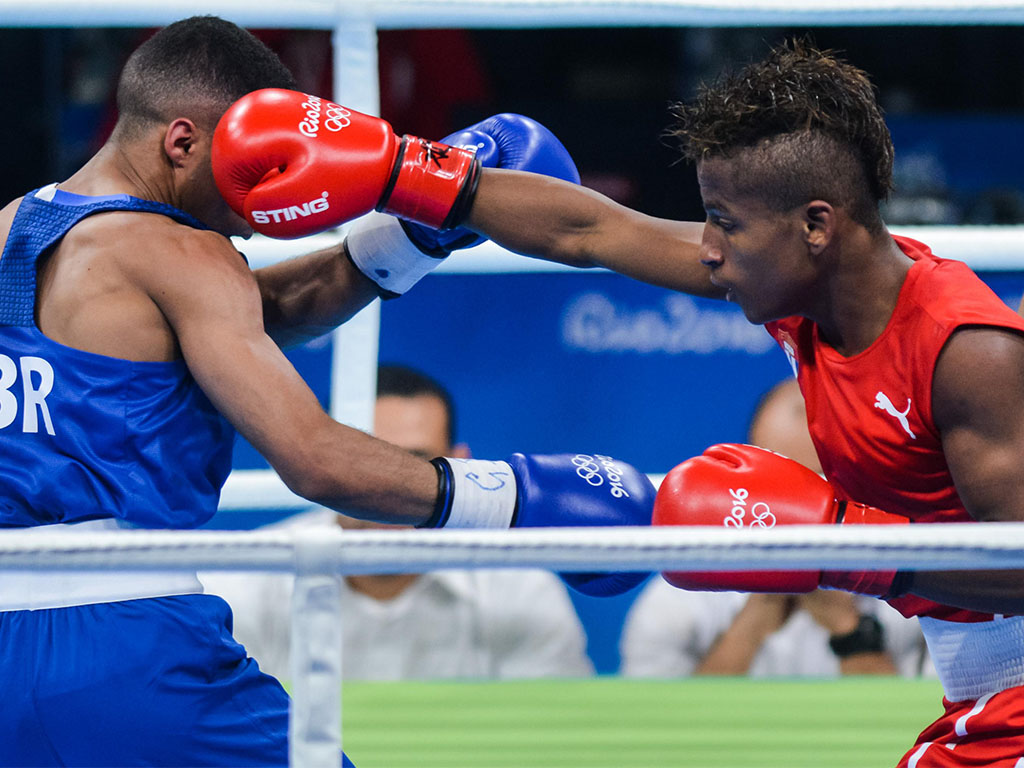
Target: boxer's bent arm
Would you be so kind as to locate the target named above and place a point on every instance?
(216, 314)
(978, 407)
(311, 295)
(558, 221)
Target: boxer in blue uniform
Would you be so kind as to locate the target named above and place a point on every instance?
(114, 669)
(134, 340)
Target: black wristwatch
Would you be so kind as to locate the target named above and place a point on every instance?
(866, 638)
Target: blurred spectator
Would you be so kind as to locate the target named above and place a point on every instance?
(432, 81)
(921, 194)
(672, 632)
(514, 623)
(1002, 206)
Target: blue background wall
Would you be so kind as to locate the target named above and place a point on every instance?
(583, 362)
(554, 362)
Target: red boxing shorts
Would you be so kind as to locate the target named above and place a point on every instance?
(981, 732)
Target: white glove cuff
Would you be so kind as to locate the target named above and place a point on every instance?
(383, 252)
(483, 494)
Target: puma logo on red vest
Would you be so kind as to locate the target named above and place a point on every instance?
(883, 402)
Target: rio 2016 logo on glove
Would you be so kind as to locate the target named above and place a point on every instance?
(337, 116)
(589, 468)
(760, 514)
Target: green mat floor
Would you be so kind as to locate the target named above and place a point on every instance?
(617, 723)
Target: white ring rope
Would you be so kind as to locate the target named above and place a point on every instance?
(408, 14)
(868, 547)
(315, 556)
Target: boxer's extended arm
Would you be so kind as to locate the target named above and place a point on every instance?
(978, 407)
(212, 303)
(293, 164)
(216, 316)
(573, 225)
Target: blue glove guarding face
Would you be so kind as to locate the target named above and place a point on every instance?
(502, 141)
(396, 254)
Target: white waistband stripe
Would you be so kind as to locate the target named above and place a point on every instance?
(979, 705)
(916, 757)
(974, 660)
(39, 590)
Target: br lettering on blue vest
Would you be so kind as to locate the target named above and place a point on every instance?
(36, 383)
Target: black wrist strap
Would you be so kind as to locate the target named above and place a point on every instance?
(464, 200)
(867, 637)
(443, 504)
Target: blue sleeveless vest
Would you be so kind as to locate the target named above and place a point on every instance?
(85, 436)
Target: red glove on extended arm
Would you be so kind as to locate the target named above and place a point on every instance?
(743, 486)
(294, 164)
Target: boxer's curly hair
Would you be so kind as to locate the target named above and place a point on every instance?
(194, 68)
(807, 123)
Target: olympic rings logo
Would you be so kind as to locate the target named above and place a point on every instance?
(587, 468)
(594, 469)
(761, 515)
(335, 117)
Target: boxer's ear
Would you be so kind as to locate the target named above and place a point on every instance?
(819, 225)
(179, 141)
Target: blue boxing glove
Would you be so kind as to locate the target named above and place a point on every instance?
(396, 254)
(547, 491)
(502, 141)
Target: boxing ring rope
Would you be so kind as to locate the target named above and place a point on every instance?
(709, 548)
(317, 559)
(408, 14)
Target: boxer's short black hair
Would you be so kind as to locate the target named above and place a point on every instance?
(195, 68)
(807, 123)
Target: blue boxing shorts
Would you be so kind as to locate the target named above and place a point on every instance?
(154, 681)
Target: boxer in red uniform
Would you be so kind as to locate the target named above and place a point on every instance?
(913, 371)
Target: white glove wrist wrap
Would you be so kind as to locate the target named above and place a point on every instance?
(483, 494)
(383, 252)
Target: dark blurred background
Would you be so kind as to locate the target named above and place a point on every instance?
(954, 97)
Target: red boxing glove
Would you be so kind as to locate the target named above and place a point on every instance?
(294, 164)
(744, 486)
